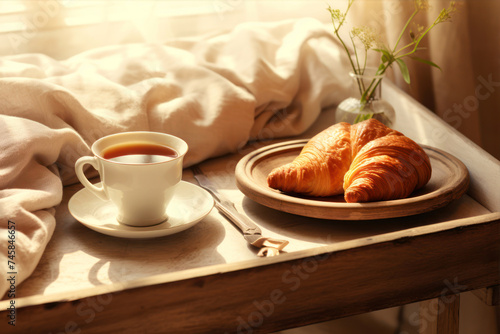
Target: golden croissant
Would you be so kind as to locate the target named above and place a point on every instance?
(366, 161)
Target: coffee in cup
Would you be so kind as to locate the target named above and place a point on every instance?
(139, 172)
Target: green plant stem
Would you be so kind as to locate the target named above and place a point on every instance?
(364, 64)
(367, 94)
(417, 42)
(404, 47)
(358, 70)
(363, 117)
(336, 31)
(355, 54)
(404, 29)
(350, 60)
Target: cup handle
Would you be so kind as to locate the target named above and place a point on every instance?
(98, 191)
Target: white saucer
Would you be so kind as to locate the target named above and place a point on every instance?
(189, 205)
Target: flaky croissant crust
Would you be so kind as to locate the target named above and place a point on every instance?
(366, 161)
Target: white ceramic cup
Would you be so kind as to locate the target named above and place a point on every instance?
(140, 191)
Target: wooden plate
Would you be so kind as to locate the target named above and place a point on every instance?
(449, 181)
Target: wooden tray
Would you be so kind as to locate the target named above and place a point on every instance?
(449, 181)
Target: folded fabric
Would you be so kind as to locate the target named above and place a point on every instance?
(259, 81)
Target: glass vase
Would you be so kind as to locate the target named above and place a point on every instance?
(358, 108)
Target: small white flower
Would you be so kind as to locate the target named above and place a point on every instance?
(366, 35)
(422, 4)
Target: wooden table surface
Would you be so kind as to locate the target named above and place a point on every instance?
(206, 279)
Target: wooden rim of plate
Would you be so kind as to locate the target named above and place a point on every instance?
(251, 178)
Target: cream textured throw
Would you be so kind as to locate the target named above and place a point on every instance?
(259, 81)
